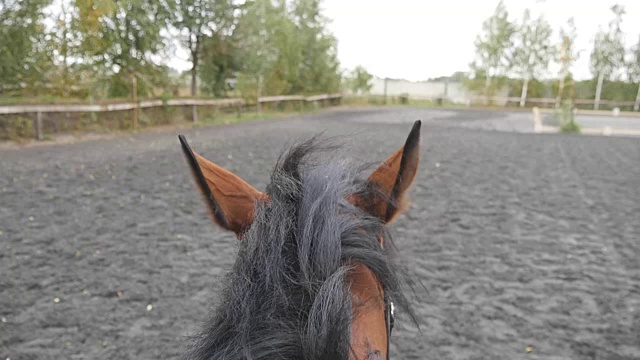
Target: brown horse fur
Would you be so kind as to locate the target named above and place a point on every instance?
(235, 205)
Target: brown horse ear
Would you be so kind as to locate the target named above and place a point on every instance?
(231, 200)
(390, 181)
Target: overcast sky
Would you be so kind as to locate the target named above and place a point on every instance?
(420, 39)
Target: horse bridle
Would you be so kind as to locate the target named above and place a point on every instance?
(389, 319)
(389, 316)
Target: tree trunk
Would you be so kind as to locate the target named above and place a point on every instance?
(636, 106)
(386, 80)
(258, 95)
(194, 85)
(487, 84)
(194, 76)
(523, 96)
(134, 99)
(560, 92)
(596, 105)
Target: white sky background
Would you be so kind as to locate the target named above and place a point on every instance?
(421, 39)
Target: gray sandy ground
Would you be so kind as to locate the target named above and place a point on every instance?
(518, 239)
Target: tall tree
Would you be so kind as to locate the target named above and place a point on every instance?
(607, 56)
(121, 38)
(359, 80)
(288, 46)
(318, 66)
(633, 71)
(533, 50)
(258, 48)
(63, 46)
(493, 45)
(219, 61)
(22, 32)
(566, 56)
(198, 20)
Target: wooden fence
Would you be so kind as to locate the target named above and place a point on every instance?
(236, 103)
(550, 101)
(497, 101)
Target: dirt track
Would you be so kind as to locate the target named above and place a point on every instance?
(519, 239)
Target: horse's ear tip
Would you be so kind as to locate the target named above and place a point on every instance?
(414, 134)
(183, 141)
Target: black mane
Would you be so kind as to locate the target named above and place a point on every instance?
(286, 296)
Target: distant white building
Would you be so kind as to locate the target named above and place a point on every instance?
(454, 92)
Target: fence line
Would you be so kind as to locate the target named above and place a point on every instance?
(539, 127)
(502, 100)
(238, 103)
(551, 101)
(36, 108)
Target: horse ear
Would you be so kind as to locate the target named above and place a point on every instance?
(231, 200)
(390, 181)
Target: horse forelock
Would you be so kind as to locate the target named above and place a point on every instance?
(287, 295)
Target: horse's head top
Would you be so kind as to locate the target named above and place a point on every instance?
(313, 279)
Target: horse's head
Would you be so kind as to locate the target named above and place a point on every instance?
(313, 279)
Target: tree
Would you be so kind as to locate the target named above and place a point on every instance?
(493, 45)
(288, 47)
(21, 34)
(63, 48)
(566, 55)
(318, 65)
(359, 80)
(219, 61)
(607, 56)
(533, 50)
(198, 20)
(258, 48)
(633, 71)
(120, 40)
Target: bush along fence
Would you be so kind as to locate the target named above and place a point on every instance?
(22, 121)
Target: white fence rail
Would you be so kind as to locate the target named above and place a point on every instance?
(40, 109)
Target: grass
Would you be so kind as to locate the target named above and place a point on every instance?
(566, 119)
(228, 119)
(20, 129)
(396, 101)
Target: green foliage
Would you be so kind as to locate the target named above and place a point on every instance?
(289, 48)
(16, 128)
(566, 118)
(22, 33)
(633, 64)
(479, 83)
(567, 54)
(533, 50)
(536, 88)
(120, 38)
(493, 46)
(358, 81)
(219, 62)
(607, 56)
(205, 24)
(318, 67)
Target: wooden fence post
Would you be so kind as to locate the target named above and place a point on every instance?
(386, 80)
(259, 94)
(38, 125)
(537, 120)
(134, 95)
(194, 114)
